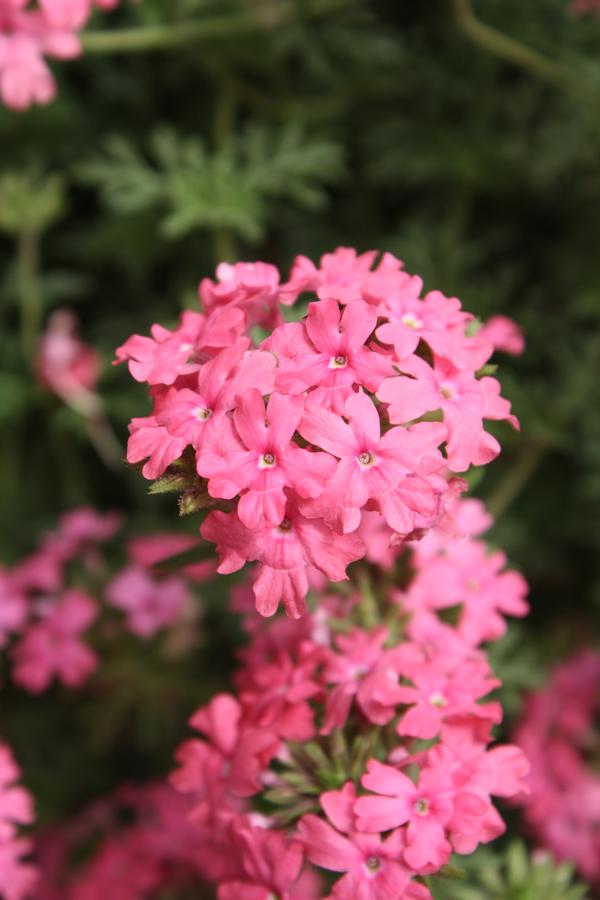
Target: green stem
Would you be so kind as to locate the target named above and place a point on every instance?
(525, 464)
(176, 34)
(30, 293)
(508, 48)
(197, 31)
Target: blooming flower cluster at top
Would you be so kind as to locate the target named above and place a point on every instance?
(356, 743)
(367, 406)
(30, 31)
(559, 733)
(45, 613)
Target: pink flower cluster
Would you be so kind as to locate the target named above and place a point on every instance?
(17, 876)
(44, 613)
(154, 852)
(558, 732)
(350, 749)
(30, 31)
(360, 412)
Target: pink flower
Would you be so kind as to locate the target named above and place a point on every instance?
(16, 805)
(166, 355)
(442, 690)
(504, 334)
(438, 320)
(198, 415)
(357, 671)
(65, 364)
(464, 400)
(150, 604)
(271, 866)
(251, 287)
(234, 759)
(327, 353)
(284, 552)
(388, 470)
(426, 807)
(53, 648)
(24, 76)
(260, 460)
(372, 866)
(14, 607)
(276, 694)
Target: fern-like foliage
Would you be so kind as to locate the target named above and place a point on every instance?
(233, 188)
(515, 875)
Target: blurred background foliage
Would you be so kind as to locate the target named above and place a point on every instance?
(202, 130)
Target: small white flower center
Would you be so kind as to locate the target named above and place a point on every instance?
(438, 699)
(373, 863)
(366, 459)
(411, 321)
(338, 362)
(448, 391)
(266, 461)
(421, 806)
(203, 413)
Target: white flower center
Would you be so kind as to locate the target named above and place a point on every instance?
(266, 461)
(411, 321)
(338, 362)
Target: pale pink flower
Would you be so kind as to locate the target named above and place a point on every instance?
(66, 365)
(150, 604)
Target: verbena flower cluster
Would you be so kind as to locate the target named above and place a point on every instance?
(50, 601)
(559, 734)
(46, 614)
(363, 750)
(31, 31)
(364, 410)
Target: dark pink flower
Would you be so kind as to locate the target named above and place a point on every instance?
(388, 472)
(259, 460)
(327, 353)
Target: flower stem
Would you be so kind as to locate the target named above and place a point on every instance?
(175, 34)
(508, 48)
(30, 293)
